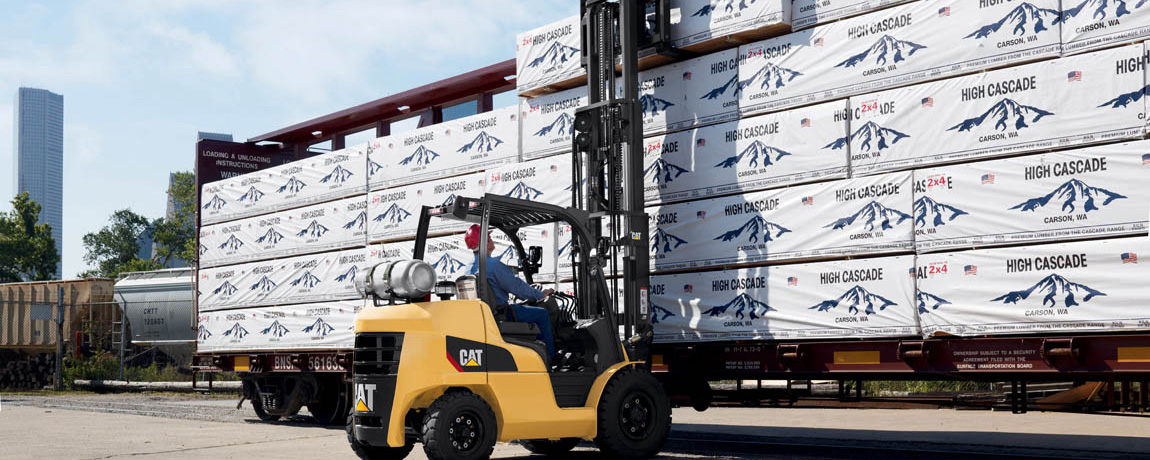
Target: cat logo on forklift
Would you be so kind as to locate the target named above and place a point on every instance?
(364, 397)
(471, 357)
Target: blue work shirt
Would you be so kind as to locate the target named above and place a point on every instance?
(503, 282)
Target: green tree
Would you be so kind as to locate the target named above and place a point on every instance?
(115, 248)
(27, 249)
(175, 235)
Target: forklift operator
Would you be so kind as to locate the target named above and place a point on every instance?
(503, 281)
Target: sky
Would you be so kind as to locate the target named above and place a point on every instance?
(141, 77)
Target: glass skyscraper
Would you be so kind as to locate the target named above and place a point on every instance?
(39, 156)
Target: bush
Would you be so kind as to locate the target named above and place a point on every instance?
(106, 366)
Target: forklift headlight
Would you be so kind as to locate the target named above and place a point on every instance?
(404, 279)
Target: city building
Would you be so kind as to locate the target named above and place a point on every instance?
(39, 156)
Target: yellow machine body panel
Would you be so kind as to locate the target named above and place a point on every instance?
(457, 344)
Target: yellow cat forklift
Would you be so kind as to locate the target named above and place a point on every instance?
(459, 374)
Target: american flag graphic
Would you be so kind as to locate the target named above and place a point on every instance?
(701, 143)
(1146, 159)
(1129, 258)
(792, 281)
(808, 200)
(688, 288)
(1074, 76)
(928, 102)
(554, 168)
(944, 11)
(819, 41)
(701, 215)
(805, 123)
(988, 178)
(970, 270)
(686, 75)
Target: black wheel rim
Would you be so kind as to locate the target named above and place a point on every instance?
(465, 432)
(637, 415)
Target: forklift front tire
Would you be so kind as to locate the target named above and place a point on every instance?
(634, 416)
(366, 452)
(550, 448)
(459, 425)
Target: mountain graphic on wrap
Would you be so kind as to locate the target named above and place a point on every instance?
(226, 289)
(216, 203)
(728, 6)
(373, 167)
(204, 333)
(523, 191)
(927, 302)
(1024, 18)
(337, 175)
(857, 300)
(564, 124)
(253, 195)
(754, 227)
(870, 214)
(236, 332)
(265, 284)
(1069, 194)
(868, 137)
(753, 154)
(313, 230)
(271, 237)
(556, 54)
(232, 244)
(772, 76)
(663, 242)
(421, 156)
(661, 172)
(293, 185)
(348, 276)
(203, 249)
(722, 90)
(307, 280)
(653, 105)
(358, 223)
(275, 329)
(1004, 113)
(319, 328)
(450, 200)
(1051, 287)
(1125, 99)
(509, 256)
(483, 142)
(886, 50)
(659, 314)
(930, 213)
(747, 307)
(1099, 9)
(393, 215)
(447, 264)
(563, 249)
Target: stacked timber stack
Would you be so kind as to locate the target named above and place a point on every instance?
(33, 372)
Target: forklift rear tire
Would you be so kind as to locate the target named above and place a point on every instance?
(258, 407)
(367, 452)
(550, 448)
(634, 416)
(459, 425)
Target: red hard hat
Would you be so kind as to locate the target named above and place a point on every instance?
(472, 237)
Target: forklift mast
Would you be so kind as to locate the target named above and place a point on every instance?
(608, 152)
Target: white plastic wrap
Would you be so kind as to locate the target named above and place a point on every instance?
(315, 228)
(301, 279)
(1089, 286)
(847, 299)
(1092, 24)
(702, 20)
(545, 180)
(1085, 193)
(893, 47)
(539, 235)
(394, 212)
(1083, 99)
(711, 89)
(548, 55)
(449, 256)
(806, 13)
(768, 151)
(548, 122)
(320, 178)
(312, 326)
(870, 215)
(662, 96)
